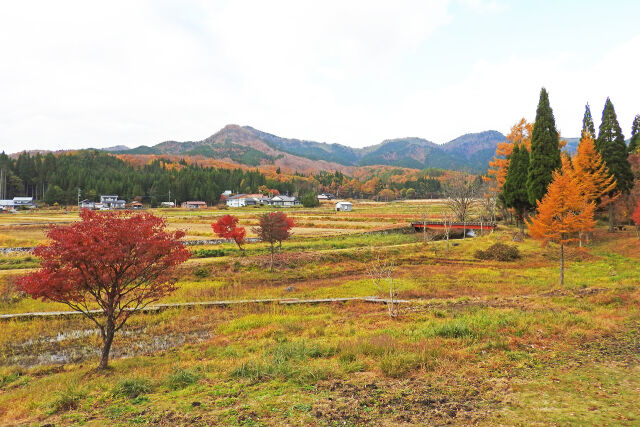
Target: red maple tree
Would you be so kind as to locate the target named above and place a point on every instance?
(107, 266)
(227, 228)
(274, 227)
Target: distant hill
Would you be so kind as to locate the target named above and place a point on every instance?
(252, 147)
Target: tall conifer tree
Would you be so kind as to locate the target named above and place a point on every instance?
(635, 135)
(545, 150)
(612, 148)
(515, 186)
(587, 123)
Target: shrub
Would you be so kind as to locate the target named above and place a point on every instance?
(182, 378)
(67, 399)
(132, 387)
(396, 365)
(207, 253)
(201, 272)
(499, 252)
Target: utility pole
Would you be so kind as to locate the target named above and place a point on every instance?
(78, 199)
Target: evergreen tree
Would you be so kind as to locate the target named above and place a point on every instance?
(545, 150)
(635, 135)
(587, 123)
(610, 144)
(515, 190)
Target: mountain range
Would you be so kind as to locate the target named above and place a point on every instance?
(252, 147)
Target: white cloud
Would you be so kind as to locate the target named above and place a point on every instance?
(78, 74)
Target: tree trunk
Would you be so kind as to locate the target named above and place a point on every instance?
(561, 264)
(271, 262)
(610, 217)
(107, 340)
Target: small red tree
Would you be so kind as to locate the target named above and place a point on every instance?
(227, 228)
(115, 262)
(274, 227)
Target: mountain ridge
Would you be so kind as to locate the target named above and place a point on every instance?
(249, 146)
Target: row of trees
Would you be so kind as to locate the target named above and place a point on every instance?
(56, 179)
(530, 171)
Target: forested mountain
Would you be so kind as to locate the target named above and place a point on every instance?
(248, 146)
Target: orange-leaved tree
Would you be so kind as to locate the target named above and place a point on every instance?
(107, 266)
(591, 171)
(499, 166)
(597, 183)
(562, 213)
(227, 228)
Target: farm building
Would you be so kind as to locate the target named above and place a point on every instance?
(167, 205)
(344, 206)
(284, 201)
(194, 205)
(325, 196)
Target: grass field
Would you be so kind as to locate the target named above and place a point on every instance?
(482, 342)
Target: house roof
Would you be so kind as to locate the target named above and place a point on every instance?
(23, 199)
(284, 198)
(344, 203)
(246, 196)
(196, 203)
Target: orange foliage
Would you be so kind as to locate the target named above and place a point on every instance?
(521, 134)
(563, 211)
(591, 171)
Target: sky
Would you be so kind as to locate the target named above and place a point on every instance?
(77, 74)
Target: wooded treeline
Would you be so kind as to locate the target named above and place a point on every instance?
(56, 178)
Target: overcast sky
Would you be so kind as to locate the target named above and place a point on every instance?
(96, 74)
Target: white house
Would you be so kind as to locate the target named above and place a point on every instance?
(344, 207)
(325, 196)
(112, 202)
(284, 201)
(240, 200)
(167, 205)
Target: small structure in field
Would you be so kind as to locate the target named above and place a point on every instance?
(344, 207)
(167, 205)
(137, 205)
(194, 205)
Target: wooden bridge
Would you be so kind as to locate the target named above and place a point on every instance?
(441, 225)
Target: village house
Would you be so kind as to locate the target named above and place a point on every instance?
(284, 201)
(167, 205)
(344, 207)
(325, 196)
(240, 200)
(111, 202)
(194, 205)
(18, 202)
